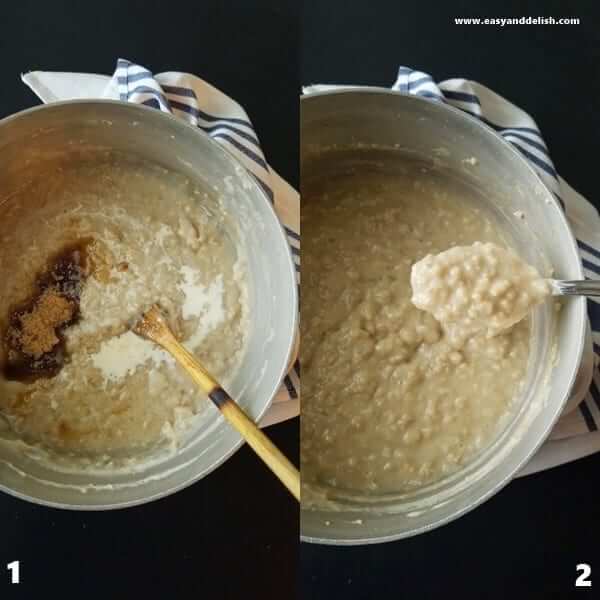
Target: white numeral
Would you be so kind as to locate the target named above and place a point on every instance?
(582, 580)
(13, 567)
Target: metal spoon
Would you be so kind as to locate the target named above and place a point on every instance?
(584, 287)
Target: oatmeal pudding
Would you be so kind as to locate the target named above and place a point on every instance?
(109, 237)
(475, 288)
(392, 398)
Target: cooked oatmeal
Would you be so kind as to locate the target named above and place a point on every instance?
(481, 287)
(391, 401)
(151, 236)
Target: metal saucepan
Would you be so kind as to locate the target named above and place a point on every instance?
(447, 139)
(29, 142)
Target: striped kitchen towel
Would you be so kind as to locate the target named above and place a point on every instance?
(197, 102)
(576, 434)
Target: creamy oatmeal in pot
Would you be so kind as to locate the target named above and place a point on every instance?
(84, 252)
(392, 400)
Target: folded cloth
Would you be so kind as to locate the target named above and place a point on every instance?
(197, 102)
(576, 433)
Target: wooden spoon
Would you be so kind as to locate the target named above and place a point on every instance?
(153, 326)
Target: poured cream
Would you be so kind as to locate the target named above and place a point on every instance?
(121, 355)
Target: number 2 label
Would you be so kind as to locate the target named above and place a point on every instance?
(14, 569)
(585, 571)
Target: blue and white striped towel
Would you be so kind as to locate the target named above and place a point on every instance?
(576, 434)
(197, 102)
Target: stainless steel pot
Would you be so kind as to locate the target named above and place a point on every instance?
(447, 139)
(29, 142)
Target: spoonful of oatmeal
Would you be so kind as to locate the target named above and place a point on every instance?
(484, 287)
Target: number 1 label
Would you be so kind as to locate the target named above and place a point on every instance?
(13, 567)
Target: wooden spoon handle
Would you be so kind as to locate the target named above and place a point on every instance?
(258, 441)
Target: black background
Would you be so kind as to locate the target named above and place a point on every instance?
(236, 531)
(526, 541)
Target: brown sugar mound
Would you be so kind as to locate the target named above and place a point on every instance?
(34, 337)
(37, 334)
